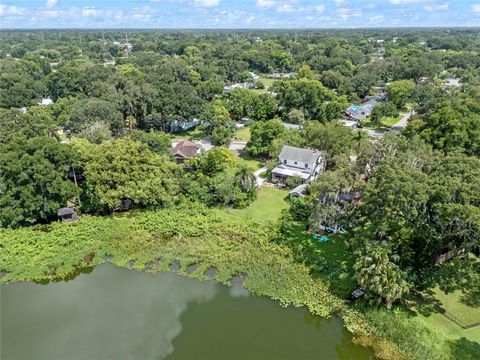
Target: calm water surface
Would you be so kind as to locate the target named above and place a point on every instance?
(117, 314)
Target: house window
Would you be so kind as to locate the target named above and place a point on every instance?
(284, 161)
(306, 166)
(295, 163)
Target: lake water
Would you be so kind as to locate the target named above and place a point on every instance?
(114, 313)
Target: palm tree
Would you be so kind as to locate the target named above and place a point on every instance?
(131, 122)
(376, 271)
(245, 178)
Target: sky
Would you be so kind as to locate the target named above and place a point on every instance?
(237, 13)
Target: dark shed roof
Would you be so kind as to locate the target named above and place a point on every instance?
(65, 211)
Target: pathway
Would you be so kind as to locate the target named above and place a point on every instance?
(260, 180)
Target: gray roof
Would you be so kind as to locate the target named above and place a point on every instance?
(65, 211)
(306, 156)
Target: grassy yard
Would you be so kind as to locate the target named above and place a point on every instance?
(329, 260)
(455, 309)
(385, 122)
(243, 133)
(194, 134)
(267, 82)
(244, 159)
(449, 315)
(390, 121)
(437, 322)
(267, 209)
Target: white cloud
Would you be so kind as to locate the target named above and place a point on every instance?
(202, 3)
(51, 13)
(439, 7)
(288, 8)
(339, 2)
(266, 3)
(51, 3)
(401, 2)
(377, 19)
(207, 3)
(143, 13)
(346, 13)
(11, 10)
(141, 17)
(476, 9)
(91, 11)
(250, 19)
(320, 8)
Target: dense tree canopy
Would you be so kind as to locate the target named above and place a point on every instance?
(126, 170)
(315, 100)
(34, 180)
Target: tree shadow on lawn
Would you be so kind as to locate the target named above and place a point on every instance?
(464, 349)
(426, 304)
(462, 275)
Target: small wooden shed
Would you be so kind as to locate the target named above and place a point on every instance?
(67, 214)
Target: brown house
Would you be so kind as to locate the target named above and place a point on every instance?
(185, 149)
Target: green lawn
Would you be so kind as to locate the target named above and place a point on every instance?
(447, 314)
(390, 121)
(456, 309)
(385, 122)
(194, 134)
(328, 260)
(266, 209)
(267, 82)
(243, 133)
(244, 159)
(438, 323)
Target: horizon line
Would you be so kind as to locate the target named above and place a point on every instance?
(247, 28)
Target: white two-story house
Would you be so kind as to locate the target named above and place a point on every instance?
(297, 162)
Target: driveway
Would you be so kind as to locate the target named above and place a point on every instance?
(205, 143)
(260, 180)
(402, 124)
(238, 145)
